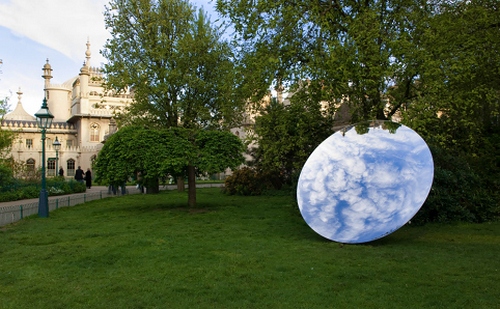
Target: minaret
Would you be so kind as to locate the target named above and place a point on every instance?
(84, 82)
(47, 75)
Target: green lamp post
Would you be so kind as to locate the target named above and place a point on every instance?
(43, 121)
(57, 145)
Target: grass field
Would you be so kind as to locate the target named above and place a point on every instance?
(144, 251)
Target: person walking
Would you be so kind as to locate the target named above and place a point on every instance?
(88, 178)
(79, 175)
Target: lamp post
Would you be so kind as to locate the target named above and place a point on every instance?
(43, 121)
(57, 145)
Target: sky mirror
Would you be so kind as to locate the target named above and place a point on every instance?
(365, 181)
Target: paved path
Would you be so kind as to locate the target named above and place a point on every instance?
(94, 189)
(104, 190)
(16, 210)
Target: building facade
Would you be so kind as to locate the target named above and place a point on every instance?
(83, 116)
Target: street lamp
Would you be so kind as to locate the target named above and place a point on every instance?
(43, 121)
(57, 145)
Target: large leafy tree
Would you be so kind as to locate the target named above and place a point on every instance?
(458, 105)
(286, 136)
(179, 68)
(155, 153)
(352, 48)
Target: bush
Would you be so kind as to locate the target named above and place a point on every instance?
(458, 192)
(244, 181)
(22, 189)
(5, 174)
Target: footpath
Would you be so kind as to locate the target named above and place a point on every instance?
(14, 211)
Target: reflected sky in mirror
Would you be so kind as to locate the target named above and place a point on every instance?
(365, 182)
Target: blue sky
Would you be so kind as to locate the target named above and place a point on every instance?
(32, 31)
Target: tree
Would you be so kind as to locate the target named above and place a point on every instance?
(6, 136)
(180, 70)
(6, 139)
(156, 153)
(350, 48)
(459, 102)
(286, 136)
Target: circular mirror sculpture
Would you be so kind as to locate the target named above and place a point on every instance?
(365, 181)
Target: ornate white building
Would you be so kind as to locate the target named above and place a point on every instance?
(82, 118)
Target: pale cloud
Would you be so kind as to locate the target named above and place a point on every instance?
(62, 25)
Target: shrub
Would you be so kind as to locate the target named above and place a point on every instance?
(244, 181)
(458, 192)
(22, 189)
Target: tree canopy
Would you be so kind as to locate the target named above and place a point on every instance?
(176, 63)
(286, 136)
(156, 153)
(349, 48)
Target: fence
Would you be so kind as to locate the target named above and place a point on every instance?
(11, 214)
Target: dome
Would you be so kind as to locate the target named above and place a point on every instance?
(19, 113)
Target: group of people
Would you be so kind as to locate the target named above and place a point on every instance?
(80, 176)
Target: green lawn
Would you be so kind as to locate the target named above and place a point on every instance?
(143, 251)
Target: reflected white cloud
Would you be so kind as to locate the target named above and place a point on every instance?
(356, 188)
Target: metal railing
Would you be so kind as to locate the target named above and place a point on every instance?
(11, 214)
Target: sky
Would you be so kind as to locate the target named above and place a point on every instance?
(33, 31)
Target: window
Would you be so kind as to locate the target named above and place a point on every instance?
(29, 143)
(69, 143)
(51, 167)
(30, 167)
(70, 167)
(94, 132)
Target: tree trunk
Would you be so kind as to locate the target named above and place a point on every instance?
(191, 186)
(180, 184)
(152, 186)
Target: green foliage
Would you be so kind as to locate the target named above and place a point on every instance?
(6, 175)
(286, 136)
(244, 181)
(178, 65)
(18, 189)
(217, 150)
(156, 153)
(6, 136)
(457, 99)
(458, 192)
(349, 49)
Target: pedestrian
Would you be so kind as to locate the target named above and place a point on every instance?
(79, 175)
(61, 172)
(88, 178)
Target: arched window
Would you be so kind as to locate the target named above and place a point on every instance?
(30, 166)
(94, 132)
(51, 166)
(70, 167)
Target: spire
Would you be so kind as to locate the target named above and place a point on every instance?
(87, 54)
